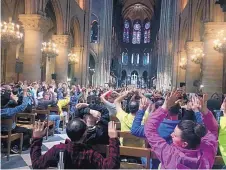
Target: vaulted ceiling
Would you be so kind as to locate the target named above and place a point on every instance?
(138, 9)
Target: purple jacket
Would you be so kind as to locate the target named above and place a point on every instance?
(173, 157)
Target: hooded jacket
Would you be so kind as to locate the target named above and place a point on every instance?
(173, 157)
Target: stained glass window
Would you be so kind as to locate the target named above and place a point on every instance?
(136, 33)
(146, 59)
(94, 32)
(147, 32)
(124, 58)
(135, 59)
(126, 32)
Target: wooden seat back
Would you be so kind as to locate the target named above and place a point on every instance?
(31, 116)
(45, 112)
(127, 151)
(10, 137)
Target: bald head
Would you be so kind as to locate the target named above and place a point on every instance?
(76, 129)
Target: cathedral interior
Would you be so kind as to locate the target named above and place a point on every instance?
(143, 43)
(109, 84)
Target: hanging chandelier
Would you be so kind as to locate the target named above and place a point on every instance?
(197, 56)
(49, 49)
(72, 58)
(183, 63)
(220, 42)
(10, 32)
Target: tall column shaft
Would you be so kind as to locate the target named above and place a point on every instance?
(76, 66)
(213, 61)
(61, 66)
(193, 70)
(181, 72)
(34, 27)
(11, 63)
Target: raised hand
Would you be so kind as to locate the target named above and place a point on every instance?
(39, 129)
(143, 103)
(170, 99)
(81, 105)
(112, 132)
(203, 103)
(95, 114)
(195, 104)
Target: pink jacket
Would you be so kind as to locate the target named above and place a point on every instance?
(173, 157)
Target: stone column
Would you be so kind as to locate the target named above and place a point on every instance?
(50, 68)
(11, 63)
(213, 61)
(193, 71)
(181, 72)
(76, 66)
(61, 66)
(34, 27)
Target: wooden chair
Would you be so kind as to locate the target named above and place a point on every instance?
(11, 137)
(128, 151)
(26, 124)
(49, 123)
(56, 109)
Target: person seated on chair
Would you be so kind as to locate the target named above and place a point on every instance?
(77, 154)
(96, 118)
(49, 98)
(194, 145)
(8, 112)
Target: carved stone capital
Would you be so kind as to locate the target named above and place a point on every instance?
(35, 22)
(61, 40)
(212, 28)
(191, 45)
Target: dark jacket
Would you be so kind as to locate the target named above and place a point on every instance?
(99, 134)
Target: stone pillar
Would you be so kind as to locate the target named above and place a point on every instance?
(181, 72)
(61, 66)
(76, 66)
(213, 61)
(50, 68)
(11, 63)
(34, 27)
(193, 71)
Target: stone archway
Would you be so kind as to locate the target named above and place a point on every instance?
(59, 16)
(75, 32)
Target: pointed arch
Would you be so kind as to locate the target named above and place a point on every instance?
(75, 31)
(59, 16)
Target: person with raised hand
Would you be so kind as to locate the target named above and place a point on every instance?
(194, 108)
(77, 154)
(222, 132)
(192, 147)
(165, 129)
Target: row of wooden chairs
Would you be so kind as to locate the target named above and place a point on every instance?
(9, 137)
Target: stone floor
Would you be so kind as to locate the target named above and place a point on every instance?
(23, 161)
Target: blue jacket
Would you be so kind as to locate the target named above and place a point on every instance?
(10, 112)
(165, 129)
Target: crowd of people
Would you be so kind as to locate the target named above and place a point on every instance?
(184, 130)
